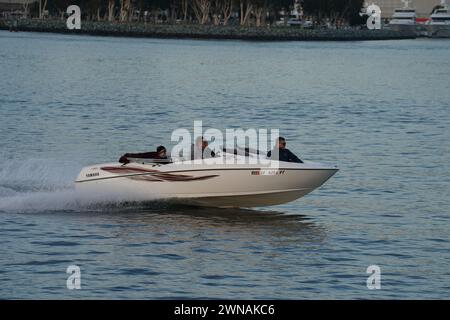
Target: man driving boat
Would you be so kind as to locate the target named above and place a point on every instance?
(281, 153)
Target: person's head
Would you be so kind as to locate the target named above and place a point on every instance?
(161, 150)
(281, 143)
(200, 142)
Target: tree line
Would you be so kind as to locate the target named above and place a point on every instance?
(216, 12)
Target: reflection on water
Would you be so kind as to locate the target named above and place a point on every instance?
(202, 249)
(243, 222)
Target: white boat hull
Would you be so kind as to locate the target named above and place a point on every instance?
(439, 30)
(404, 28)
(217, 186)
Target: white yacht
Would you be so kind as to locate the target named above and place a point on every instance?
(439, 24)
(404, 20)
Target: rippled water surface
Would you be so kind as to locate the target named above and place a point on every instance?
(379, 110)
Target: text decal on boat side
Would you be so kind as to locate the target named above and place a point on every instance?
(90, 175)
(267, 172)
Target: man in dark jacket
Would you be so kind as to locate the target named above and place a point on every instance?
(281, 153)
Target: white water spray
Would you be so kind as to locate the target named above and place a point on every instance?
(39, 185)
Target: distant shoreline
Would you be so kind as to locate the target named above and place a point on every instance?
(166, 31)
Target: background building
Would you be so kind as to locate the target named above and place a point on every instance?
(423, 7)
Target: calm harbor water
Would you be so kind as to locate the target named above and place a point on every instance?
(379, 110)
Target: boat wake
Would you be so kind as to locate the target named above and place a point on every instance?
(41, 185)
(62, 200)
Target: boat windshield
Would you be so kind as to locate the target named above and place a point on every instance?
(243, 151)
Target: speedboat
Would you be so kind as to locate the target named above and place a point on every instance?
(230, 179)
(439, 24)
